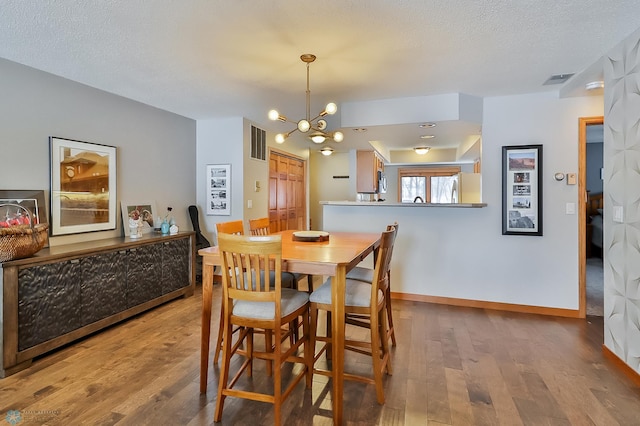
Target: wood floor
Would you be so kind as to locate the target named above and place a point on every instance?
(452, 366)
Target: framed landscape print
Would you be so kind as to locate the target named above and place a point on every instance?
(522, 190)
(218, 189)
(83, 187)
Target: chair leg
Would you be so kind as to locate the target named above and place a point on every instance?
(313, 330)
(392, 330)
(268, 347)
(308, 348)
(375, 355)
(386, 353)
(216, 354)
(277, 377)
(224, 373)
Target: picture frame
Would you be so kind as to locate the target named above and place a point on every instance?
(32, 200)
(522, 190)
(146, 210)
(218, 189)
(83, 187)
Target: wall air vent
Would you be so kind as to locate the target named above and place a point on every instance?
(557, 79)
(258, 143)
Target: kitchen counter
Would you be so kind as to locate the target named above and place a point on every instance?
(409, 205)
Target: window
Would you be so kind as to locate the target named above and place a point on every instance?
(428, 184)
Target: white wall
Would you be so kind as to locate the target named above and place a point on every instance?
(461, 253)
(323, 186)
(155, 148)
(220, 141)
(622, 190)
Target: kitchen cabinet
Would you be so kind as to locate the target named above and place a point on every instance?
(370, 166)
(66, 292)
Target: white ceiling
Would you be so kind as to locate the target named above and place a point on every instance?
(211, 58)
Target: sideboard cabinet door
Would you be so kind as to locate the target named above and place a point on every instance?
(175, 265)
(144, 274)
(104, 285)
(48, 301)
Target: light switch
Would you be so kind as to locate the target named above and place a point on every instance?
(618, 214)
(571, 179)
(256, 187)
(570, 208)
(249, 204)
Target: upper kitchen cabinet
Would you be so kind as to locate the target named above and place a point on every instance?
(370, 171)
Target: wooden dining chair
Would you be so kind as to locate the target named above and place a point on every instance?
(261, 227)
(361, 299)
(236, 227)
(257, 299)
(366, 275)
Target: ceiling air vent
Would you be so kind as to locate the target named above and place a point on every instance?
(557, 79)
(258, 143)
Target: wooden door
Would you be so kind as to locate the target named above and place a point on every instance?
(287, 200)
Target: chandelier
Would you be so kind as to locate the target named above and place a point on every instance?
(316, 125)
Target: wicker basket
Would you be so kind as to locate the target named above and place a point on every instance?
(23, 240)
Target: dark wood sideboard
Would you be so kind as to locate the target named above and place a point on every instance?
(66, 292)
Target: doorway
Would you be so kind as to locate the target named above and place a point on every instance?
(287, 198)
(590, 196)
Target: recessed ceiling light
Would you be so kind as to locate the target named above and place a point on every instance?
(594, 85)
(359, 130)
(427, 136)
(427, 125)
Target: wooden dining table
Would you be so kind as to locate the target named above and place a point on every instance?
(334, 258)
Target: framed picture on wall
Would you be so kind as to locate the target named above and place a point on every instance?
(522, 190)
(83, 187)
(218, 184)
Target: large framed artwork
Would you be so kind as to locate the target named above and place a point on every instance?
(522, 190)
(32, 200)
(218, 189)
(83, 187)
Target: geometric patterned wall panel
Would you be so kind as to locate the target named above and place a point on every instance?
(622, 188)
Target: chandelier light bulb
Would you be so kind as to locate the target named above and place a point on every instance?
(322, 124)
(338, 136)
(280, 138)
(318, 137)
(304, 126)
(274, 115)
(331, 108)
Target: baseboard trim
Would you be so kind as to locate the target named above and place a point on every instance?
(621, 365)
(497, 306)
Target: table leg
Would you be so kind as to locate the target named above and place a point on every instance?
(338, 330)
(207, 296)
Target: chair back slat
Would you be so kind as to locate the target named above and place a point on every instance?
(235, 227)
(259, 226)
(256, 263)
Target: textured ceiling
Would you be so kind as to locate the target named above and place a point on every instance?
(210, 58)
